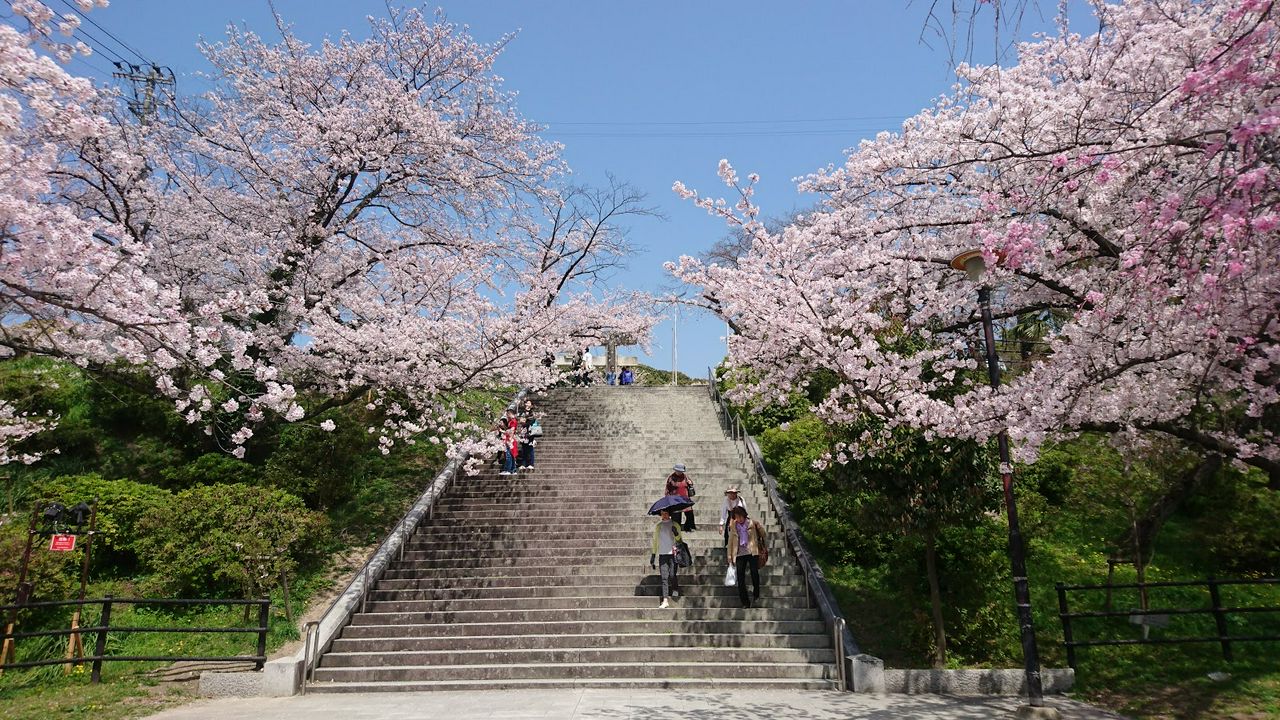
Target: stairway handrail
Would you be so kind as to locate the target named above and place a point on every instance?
(820, 590)
(335, 618)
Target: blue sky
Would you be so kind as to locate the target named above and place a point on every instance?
(652, 92)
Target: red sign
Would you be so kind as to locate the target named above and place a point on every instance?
(62, 543)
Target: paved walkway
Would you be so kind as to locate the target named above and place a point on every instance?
(578, 704)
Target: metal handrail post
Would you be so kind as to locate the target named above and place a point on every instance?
(837, 629)
(818, 593)
(310, 637)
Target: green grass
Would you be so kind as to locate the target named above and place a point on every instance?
(126, 691)
(1141, 681)
(40, 695)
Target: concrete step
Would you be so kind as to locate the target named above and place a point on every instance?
(576, 655)
(571, 604)
(649, 640)
(668, 624)
(557, 526)
(586, 489)
(629, 544)
(771, 575)
(646, 587)
(528, 575)
(669, 683)
(553, 671)
(710, 560)
(551, 508)
(641, 609)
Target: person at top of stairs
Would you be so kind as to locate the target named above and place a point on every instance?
(530, 428)
(678, 483)
(666, 533)
(510, 444)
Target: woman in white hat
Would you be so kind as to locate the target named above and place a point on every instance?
(731, 501)
(679, 484)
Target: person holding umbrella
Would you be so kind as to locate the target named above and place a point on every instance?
(678, 483)
(666, 533)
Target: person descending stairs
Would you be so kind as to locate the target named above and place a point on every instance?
(543, 580)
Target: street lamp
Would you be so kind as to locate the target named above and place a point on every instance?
(973, 264)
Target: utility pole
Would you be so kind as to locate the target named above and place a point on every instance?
(675, 366)
(143, 81)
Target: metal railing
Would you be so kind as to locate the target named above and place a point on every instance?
(104, 627)
(1148, 617)
(371, 572)
(817, 589)
(367, 576)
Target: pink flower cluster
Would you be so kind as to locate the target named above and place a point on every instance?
(1123, 188)
(362, 219)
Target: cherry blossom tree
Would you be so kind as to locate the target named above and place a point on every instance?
(17, 426)
(1122, 188)
(365, 219)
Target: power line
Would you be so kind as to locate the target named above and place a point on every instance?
(85, 61)
(88, 38)
(85, 16)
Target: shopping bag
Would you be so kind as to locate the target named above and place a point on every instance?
(730, 577)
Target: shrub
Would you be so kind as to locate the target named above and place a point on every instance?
(319, 467)
(121, 505)
(1236, 516)
(51, 574)
(210, 469)
(227, 540)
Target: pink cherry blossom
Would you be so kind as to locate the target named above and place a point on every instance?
(1122, 188)
(361, 218)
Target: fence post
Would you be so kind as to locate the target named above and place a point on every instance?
(264, 617)
(1064, 614)
(100, 647)
(1220, 618)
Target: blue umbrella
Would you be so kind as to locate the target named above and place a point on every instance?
(673, 503)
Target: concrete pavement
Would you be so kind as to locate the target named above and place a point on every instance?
(619, 704)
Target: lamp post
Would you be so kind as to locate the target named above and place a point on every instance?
(972, 263)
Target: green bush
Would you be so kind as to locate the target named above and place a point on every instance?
(1237, 518)
(319, 467)
(227, 540)
(121, 505)
(42, 386)
(209, 469)
(52, 575)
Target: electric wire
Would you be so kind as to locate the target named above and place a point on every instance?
(85, 61)
(85, 16)
(87, 38)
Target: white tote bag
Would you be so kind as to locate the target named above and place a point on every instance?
(730, 577)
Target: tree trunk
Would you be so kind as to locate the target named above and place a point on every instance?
(1140, 567)
(284, 585)
(935, 602)
(1142, 534)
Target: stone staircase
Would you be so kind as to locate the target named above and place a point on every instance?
(542, 580)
